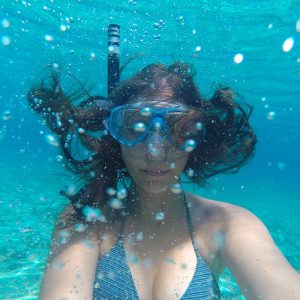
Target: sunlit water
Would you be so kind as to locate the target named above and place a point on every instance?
(252, 46)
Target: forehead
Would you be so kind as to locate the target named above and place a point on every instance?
(158, 101)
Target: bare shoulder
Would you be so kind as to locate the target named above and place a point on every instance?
(246, 247)
(220, 212)
(70, 230)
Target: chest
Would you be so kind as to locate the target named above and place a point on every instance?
(158, 269)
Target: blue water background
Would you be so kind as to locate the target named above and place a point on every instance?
(268, 78)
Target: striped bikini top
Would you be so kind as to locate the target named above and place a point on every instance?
(114, 280)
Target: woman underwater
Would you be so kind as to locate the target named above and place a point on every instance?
(131, 232)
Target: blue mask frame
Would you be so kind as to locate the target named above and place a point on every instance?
(157, 117)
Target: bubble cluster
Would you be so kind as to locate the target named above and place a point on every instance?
(92, 214)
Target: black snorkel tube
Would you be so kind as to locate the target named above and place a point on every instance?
(113, 57)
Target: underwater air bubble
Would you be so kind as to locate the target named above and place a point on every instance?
(199, 126)
(122, 194)
(189, 145)
(93, 55)
(5, 23)
(190, 172)
(80, 227)
(89, 243)
(198, 49)
(100, 275)
(110, 191)
(172, 166)
(6, 115)
(271, 115)
(288, 44)
(139, 127)
(59, 158)
(71, 190)
(176, 188)
(48, 38)
(63, 27)
(281, 165)
(159, 216)
(64, 236)
(80, 130)
(5, 40)
(219, 239)
(180, 20)
(298, 25)
(156, 25)
(50, 139)
(270, 25)
(194, 31)
(169, 260)
(146, 111)
(115, 203)
(238, 58)
(139, 236)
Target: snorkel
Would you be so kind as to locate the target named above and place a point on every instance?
(155, 145)
(113, 57)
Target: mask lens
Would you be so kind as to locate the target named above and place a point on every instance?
(129, 124)
(187, 126)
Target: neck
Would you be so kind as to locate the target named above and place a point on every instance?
(156, 209)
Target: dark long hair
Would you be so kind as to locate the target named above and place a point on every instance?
(229, 141)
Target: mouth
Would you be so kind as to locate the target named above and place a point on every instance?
(155, 173)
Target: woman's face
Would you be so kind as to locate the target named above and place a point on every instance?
(154, 164)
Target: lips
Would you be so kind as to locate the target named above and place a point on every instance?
(155, 173)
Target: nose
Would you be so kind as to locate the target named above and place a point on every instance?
(156, 143)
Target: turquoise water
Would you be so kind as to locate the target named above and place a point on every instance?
(207, 33)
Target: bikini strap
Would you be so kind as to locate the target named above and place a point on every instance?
(191, 229)
(121, 232)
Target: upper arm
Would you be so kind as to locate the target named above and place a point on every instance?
(71, 266)
(259, 268)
